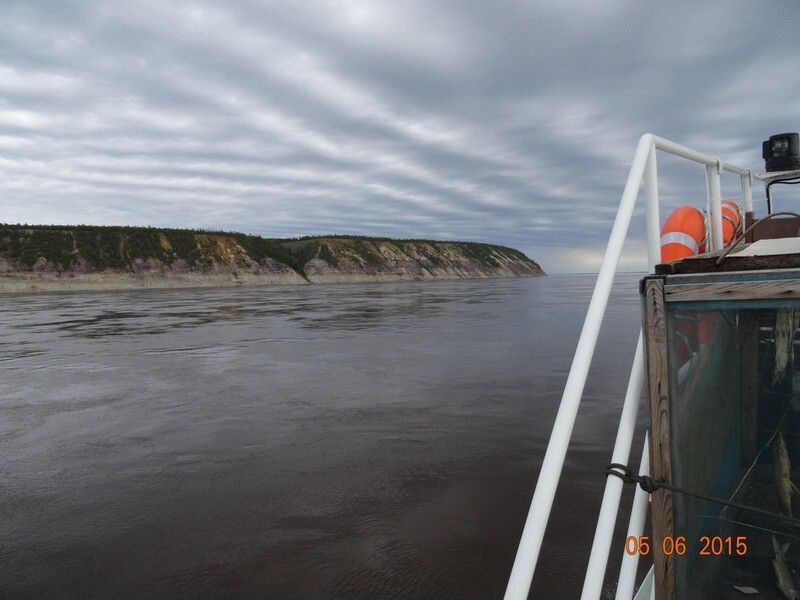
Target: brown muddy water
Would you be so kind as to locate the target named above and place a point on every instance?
(352, 441)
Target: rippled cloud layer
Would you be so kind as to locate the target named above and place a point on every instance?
(503, 122)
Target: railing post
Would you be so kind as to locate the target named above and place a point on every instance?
(651, 208)
(747, 192)
(530, 544)
(630, 562)
(604, 533)
(714, 205)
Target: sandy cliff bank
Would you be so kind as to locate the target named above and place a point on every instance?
(52, 259)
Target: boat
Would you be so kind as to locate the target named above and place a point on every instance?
(717, 364)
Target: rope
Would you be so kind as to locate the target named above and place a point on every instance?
(650, 485)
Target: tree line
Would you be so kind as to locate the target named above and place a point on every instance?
(117, 247)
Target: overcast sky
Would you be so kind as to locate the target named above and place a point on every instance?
(502, 122)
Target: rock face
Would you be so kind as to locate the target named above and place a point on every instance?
(99, 258)
(350, 260)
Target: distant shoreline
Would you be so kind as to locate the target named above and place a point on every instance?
(35, 283)
(85, 258)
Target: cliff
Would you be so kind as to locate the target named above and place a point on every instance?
(103, 258)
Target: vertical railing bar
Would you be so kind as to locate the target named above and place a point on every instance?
(653, 221)
(519, 582)
(630, 562)
(747, 192)
(604, 532)
(714, 205)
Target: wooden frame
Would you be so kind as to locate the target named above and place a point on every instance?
(657, 385)
(764, 289)
(660, 295)
(732, 263)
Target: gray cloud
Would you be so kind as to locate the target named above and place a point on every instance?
(504, 122)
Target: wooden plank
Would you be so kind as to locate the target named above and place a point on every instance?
(766, 274)
(655, 336)
(733, 290)
(748, 331)
(708, 264)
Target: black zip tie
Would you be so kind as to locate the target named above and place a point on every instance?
(650, 485)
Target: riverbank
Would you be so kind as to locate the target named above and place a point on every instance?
(28, 283)
(55, 259)
(32, 283)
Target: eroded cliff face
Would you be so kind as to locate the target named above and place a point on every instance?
(51, 259)
(66, 260)
(345, 260)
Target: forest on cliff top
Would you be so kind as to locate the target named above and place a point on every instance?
(117, 248)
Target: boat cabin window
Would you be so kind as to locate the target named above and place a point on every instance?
(734, 434)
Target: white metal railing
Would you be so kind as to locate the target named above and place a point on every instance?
(643, 170)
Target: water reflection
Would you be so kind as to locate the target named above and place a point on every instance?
(359, 441)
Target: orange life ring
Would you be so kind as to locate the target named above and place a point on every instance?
(731, 220)
(683, 234)
(707, 323)
(686, 343)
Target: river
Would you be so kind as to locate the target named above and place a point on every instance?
(301, 442)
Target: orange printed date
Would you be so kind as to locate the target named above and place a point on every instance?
(709, 545)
